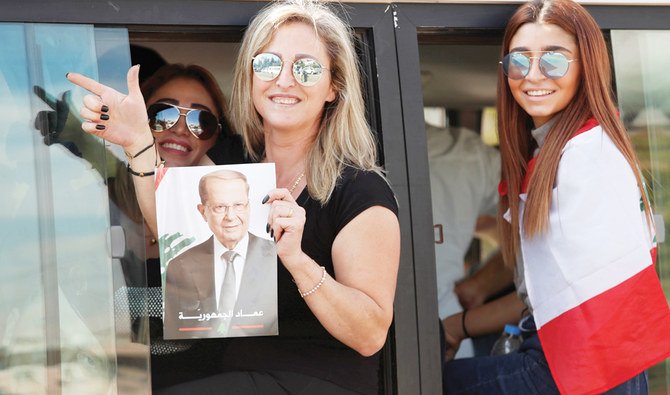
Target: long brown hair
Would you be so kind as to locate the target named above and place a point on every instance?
(594, 98)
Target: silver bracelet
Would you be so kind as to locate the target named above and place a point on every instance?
(317, 286)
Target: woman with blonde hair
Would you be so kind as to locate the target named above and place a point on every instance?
(344, 137)
(576, 221)
(298, 103)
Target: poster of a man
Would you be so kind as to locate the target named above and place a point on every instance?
(226, 285)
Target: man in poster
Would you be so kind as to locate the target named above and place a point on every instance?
(227, 285)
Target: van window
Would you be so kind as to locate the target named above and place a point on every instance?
(57, 324)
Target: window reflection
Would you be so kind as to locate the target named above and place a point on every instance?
(643, 83)
(57, 327)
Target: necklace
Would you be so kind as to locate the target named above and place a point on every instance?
(295, 184)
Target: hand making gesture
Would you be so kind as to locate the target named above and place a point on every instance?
(109, 114)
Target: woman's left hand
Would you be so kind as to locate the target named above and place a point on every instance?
(286, 222)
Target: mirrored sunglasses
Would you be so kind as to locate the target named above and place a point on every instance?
(201, 123)
(268, 66)
(553, 65)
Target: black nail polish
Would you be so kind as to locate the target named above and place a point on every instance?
(272, 233)
(104, 117)
(100, 127)
(66, 74)
(265, 199)
(267, 228)
(104, 108)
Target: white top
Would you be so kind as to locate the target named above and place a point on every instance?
(598, 235)
(464, 176)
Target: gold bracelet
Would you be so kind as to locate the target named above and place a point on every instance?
(317, 286)
(140, 173)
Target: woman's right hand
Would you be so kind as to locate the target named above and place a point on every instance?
(127, 121)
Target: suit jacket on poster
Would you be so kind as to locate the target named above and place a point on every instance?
(190, 294)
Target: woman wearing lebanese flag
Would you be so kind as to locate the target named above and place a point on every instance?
(577, 225)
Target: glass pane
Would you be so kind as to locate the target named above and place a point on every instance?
(643, 83)
(22, 321)
(130, 300)
(459, 89)
(57, 324)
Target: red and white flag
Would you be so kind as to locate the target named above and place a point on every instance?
(598, 304)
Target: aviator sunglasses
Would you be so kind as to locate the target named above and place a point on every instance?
(306, 71)
(201, 123)
(553, 65)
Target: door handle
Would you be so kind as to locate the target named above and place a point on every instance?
(117, 238)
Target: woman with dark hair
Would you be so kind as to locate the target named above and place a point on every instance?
(187, 116)
(576, 221)
(162, 86)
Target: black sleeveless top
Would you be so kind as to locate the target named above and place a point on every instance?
(303, 345)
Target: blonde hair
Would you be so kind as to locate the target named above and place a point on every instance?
(344, 137)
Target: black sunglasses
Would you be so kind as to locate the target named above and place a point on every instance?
(201, 123)
(553, 65)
